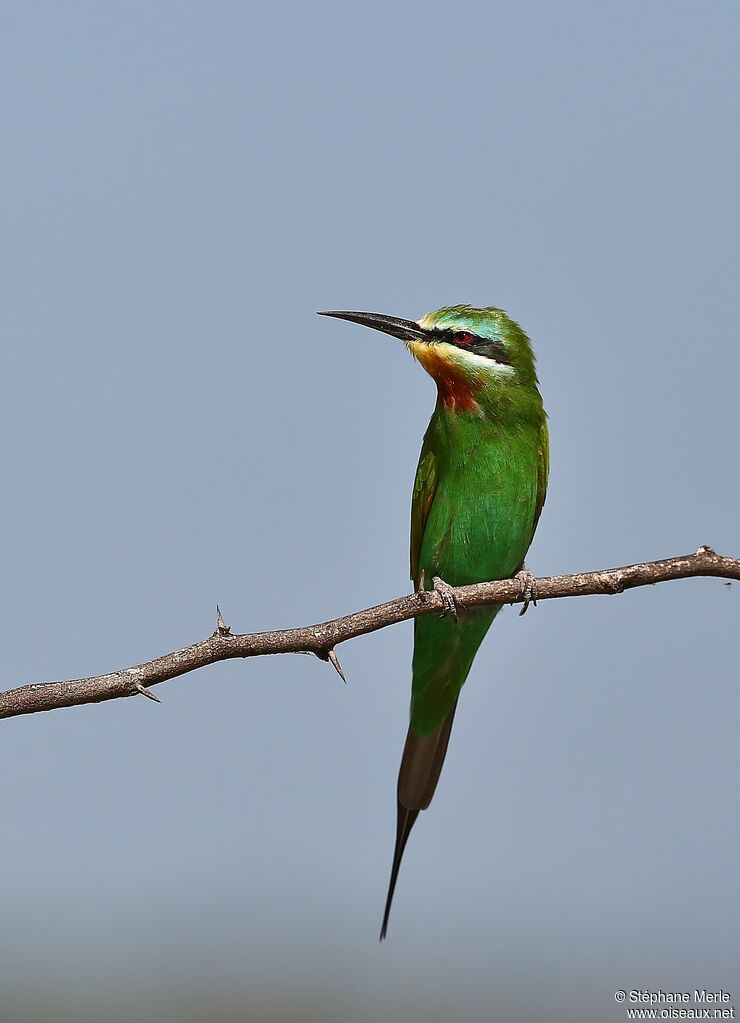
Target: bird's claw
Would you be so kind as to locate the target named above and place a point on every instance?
(529, 589)
(447, 594)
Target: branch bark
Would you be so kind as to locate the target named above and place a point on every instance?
(322, 639)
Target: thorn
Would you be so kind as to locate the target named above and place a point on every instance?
(221, 627)
(706, 549)
(334, 660)
(147, 692)
(420, 588)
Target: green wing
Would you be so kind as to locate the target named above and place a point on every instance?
(425, 487)
(543, 473)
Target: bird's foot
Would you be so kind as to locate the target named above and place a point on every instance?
(529, 589)
(447, 594)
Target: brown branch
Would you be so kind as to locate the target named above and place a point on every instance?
(322, 639)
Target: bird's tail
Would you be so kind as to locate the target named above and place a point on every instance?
(421, 766)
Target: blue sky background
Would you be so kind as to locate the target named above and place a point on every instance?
(183, 185)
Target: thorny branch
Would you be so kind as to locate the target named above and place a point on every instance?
(322, 639)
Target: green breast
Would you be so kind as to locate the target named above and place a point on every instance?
(488, 489)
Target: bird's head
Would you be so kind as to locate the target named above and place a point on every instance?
(470, 352)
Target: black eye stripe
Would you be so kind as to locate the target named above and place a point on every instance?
(483, 346)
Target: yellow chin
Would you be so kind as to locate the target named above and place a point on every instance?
(456, 384)
(435, 360)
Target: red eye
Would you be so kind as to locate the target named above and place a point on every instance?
(463, 338)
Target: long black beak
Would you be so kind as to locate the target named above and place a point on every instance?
(406, 330)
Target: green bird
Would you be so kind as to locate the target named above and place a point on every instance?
(479, 490)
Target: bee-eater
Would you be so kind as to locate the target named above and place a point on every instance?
(479, 490)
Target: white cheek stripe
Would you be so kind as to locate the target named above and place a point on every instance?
(478, 362)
